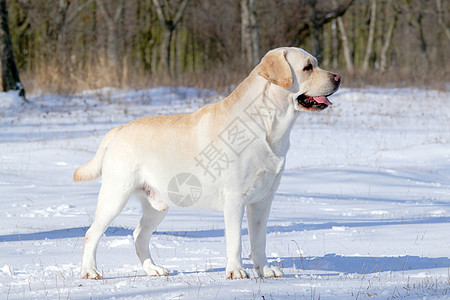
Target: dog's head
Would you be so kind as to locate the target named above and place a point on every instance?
(297, 71)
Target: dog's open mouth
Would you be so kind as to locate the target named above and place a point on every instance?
(317, 102)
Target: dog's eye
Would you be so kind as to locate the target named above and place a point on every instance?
(308, 67)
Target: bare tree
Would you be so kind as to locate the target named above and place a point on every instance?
(249, 33)
(334, 44)
(64, 19)
(415, 15)
(169, 22)
(370, 39)
(315, 30)
(58, 30)
(387, 41)
(441, 21)
(345, 44)
(10, 74)
(112, 20)
(322, 16)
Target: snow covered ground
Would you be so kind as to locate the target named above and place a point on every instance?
(363, 210)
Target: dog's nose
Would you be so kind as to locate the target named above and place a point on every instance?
(337, 79)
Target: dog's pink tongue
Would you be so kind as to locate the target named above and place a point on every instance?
(322, 99)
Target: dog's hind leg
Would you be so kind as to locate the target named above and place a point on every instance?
(111, 200)
(151, 218)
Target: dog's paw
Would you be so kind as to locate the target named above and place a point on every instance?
(236, 273)
(154, 270)
(90, 273)
(271, 272)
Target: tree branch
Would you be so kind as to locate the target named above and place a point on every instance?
(119, 11)
(160, 11)
(323, 17)
(103, 11)
(180, 12)
(441, 21)
(80, 8)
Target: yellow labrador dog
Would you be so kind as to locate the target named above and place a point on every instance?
(227, 156)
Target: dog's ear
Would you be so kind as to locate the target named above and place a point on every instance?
(275, 69)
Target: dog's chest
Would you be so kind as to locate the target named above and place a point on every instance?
(264, 179)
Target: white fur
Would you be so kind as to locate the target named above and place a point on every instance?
(146, 155)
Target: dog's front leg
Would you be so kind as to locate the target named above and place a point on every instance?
(257, 216)
(233, 213)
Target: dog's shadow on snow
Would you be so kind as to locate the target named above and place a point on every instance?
(361, 264)
(212, 233)
(334, 264)
(329, 262)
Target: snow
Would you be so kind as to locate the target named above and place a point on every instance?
(362, 210)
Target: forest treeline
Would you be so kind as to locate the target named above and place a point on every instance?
(70, 45)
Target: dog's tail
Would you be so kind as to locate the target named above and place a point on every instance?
(93, 169)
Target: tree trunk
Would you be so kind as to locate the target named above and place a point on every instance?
(246, 45)
(423, 43)
(416, 22)
(112, 25)
(334, 44)
(168, 25)
(370, 39)
(345, 45)
(165, 51)
(249, 33)
(256, 55)
(321, 18)
(441, 20)
(387, 43)
(10, 74)
(314, 28)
